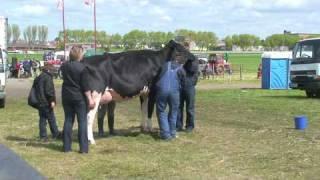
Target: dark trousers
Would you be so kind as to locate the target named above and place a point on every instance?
(167, 121)
(187, 97)
(47, 113)
(71, 109)
(101, 114)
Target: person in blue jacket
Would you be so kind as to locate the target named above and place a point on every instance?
(168, 94)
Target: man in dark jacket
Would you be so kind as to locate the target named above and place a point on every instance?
(187, 95)
(46, 95)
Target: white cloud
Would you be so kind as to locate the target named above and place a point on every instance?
(35, 10)
(226, 17)
(143, 2)
(276, 5)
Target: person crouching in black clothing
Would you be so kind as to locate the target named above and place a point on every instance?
(47, 101)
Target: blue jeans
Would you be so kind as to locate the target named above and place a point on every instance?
(72, 108)
(167, 121)
(47, 113)
(187, 96)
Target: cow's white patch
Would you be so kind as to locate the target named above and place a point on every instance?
(146, 123)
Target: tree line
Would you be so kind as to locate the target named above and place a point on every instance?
(32, 34)
(138, 39)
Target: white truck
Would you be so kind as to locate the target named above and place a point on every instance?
(3, 59)
(305, 67)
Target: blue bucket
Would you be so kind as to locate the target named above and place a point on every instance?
(301, 122)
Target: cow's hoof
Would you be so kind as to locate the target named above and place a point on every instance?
(149, 129)
(92, 142)
(146, 130)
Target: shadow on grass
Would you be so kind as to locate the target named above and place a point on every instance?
(252, 88)
(50, 144)
(287, 97)
(240, 124)
(134, 131)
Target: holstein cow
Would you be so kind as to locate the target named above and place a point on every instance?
(128, 74)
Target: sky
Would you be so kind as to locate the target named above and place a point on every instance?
(223, 17)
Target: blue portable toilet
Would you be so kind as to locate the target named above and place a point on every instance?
(275, 70)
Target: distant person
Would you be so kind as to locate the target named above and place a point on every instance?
(35, 67)
(259, 73)
(47, 100)
(14, 69)
(102, 110)
(226, 57)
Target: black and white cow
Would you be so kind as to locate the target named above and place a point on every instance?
(128, 73)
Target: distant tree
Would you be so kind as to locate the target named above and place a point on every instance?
(244, 41)
(235, 40)
(185, 34)
(157, 39)
(291, 40)
(42, 34)
(27, 34)
(169, 37)
(102, 38)
(135, 39)
(277, 40)
(228, 41)
(9, 33)
(15, 32)
(34, 31)
(206, 40)
(115, 39)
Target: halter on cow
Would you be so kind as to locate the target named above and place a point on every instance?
(127, 73)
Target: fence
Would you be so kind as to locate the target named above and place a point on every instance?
(235, 72)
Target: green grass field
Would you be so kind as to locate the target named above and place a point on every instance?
(240, 134)
(250, 61)
(21, 57)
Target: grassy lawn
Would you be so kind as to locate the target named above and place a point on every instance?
(240, 134)
(21, 57)
(250, 62)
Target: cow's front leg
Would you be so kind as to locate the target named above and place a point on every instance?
(91, 116)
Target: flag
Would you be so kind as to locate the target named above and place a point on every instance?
(88, 2)
(60, 5)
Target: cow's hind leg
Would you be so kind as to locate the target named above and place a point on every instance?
(91, 116)
(151, 103)
(145, 126)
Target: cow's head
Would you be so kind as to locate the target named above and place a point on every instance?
(178, 50)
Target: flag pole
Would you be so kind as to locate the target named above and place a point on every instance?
(95, 27)
(64, 31)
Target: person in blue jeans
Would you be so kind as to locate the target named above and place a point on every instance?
(74, 100)
(187, 95)
(168, 93)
